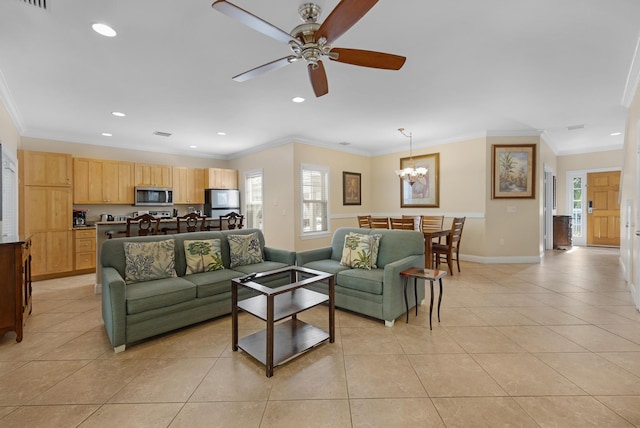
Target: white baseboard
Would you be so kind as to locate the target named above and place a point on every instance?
(97, 288)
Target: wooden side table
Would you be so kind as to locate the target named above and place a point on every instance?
(428, 275)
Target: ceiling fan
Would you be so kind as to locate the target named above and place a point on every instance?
(312, 41)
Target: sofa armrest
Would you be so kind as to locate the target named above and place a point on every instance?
(304, 257)
(392, 289)
(114, 306)
(278, 255)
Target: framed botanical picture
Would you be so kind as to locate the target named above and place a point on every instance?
(425, 191)
(351, 188)
(513, 171)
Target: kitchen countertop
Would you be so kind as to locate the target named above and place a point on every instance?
(163, 220)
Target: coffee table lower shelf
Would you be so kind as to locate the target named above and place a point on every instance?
(290, 339)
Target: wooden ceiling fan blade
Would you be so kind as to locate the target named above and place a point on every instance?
(343, 17)
(368, 58)
(252, 21)
(273, 65)
(318, 78)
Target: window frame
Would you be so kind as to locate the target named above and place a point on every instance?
(248, 175)
(325, 171)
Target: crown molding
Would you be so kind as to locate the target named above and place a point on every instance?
(633, 78)
(10, 105)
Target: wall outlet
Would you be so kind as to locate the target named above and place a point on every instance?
(501, 241)
(511, 209)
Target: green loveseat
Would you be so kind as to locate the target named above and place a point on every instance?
(132, 312)
(378, 293)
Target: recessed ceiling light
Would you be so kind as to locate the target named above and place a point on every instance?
(193, 147)
(117, 113)
(613, 134)
(297, 99)
(107, 134)
(222, 133)
(104, 30)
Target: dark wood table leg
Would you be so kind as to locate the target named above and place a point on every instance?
(234, 316)
(332, 309)
(431, 305)
(406, 302)
(269, 338)
(415, 292)
(439, 299)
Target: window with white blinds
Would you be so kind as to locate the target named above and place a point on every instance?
(253, 199)
(314, 184)
(9, 196)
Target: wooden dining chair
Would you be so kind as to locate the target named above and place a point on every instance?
(379, 222)
(232, 221)
(417, 220)
(451, 250)
(147, 225)
(364, 221)
(193, 222)
(431, 222)
(402, 223)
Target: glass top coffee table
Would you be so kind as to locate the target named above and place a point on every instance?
(285, 336)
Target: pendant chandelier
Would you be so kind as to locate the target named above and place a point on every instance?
(411, 174)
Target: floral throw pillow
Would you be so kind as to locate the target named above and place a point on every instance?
(244, 249)
(145, 261)
(357, 251)
(203, 255)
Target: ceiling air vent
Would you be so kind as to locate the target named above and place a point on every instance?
(42, 4)
(162, 134)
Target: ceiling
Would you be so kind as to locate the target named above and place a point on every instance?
(473, 68)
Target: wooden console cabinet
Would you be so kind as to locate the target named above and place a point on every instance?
(15, 287)
(562, 231)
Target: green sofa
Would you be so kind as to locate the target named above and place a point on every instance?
(378, 293)
(144, 309)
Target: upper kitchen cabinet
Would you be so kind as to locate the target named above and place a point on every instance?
(188, 185)
(98, 181)
(153, 175)
(220, 178)
(45, 169)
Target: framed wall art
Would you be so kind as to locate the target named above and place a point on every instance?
(351, 188)
(513, 171)
(425, 192)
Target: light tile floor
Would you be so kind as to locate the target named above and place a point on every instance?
(551, 344)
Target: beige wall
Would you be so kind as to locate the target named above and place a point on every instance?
(512, 227)
(631, 192)
(611, 159)
(9, 138)
(277, 165)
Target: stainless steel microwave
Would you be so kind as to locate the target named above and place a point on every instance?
(154, 196)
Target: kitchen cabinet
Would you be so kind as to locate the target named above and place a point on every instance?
(153, 175)
(220, 178)
(47, 217)
(85, 249)
(15, 289)
(98, 181)
(45, 169)
(188, 185)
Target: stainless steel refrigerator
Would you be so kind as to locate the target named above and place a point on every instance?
(219, 202)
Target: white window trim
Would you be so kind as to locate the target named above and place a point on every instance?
(247, 175)
(315, 234)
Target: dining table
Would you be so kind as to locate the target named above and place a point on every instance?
(429, 236)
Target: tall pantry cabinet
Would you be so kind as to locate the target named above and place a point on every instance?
(46, 206)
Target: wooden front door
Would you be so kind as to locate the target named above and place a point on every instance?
(603, 209)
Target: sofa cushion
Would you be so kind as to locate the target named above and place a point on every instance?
(159, 293)
(326, 265)
(358, 251)
(369, 281)
(244, 249)
(203, 255)
(145, 261)
(212, 283)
